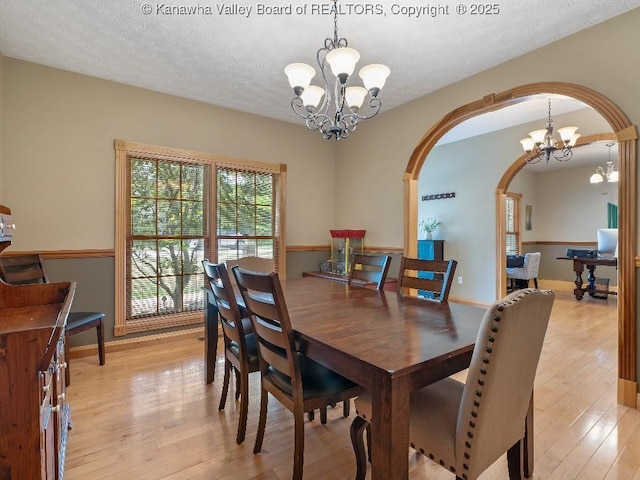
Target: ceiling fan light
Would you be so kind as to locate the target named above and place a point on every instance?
(527, 144)
(299, 75)
(567, 133)
(538, 136)
(311, 96)
(374, 76)
(343, 61)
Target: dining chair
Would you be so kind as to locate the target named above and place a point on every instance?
(297, 382)
(369, 269)
(255, 264)
(432, 278)
(466, 427)
(240, 350)
(30, 268)
(528, 271)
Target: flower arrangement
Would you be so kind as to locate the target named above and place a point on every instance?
(429, 224)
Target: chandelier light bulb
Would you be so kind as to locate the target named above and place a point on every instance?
(311, 96)
(374, 77)
(567, 133)
(596, 178)
(355, 96)
(527, 144)
(343, 62)
(613, 177)
(299, 75)
(538, 136)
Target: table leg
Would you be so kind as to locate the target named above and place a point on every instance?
(210, 337)
(578, 291)
(390, 429)
(591, 277)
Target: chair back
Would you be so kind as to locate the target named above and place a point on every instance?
(432, 278)
(23, 269)
(369, 269)
(255, 264)
(531, 264)
(228, 308)
(499, 384)
(264, 299)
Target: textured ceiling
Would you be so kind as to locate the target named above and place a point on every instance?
(228, 55)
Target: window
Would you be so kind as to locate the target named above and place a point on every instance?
(167, 236)
(513, 225)
(246, 225)
(167, 201)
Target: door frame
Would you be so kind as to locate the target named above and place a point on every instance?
(624, 132)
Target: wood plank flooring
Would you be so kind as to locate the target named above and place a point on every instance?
(148, 415)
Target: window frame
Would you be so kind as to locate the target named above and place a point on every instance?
(517, 220)
(126, 150)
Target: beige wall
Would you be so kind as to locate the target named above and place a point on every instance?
(58, 150)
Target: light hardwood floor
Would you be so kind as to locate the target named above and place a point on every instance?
(147, 414)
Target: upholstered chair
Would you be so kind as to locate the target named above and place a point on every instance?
(466, 427)
(528, 271)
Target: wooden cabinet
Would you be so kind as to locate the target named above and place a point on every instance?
(431, 249)
(34, 415)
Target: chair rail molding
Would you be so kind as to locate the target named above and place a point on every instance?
(624, 132)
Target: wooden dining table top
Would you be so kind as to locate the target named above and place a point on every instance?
(396, 334)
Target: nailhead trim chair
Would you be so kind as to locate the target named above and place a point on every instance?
(466, 427)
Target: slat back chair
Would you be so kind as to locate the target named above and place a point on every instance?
(297, 382)
(30, 268)
(466, 427)
(255, 264)
(432, 278)
(240, 351)
(369, 269)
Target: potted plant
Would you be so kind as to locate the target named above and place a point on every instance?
(428, 226)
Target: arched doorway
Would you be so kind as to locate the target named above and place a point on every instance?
(624, 133)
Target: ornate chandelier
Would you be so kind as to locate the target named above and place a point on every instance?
(542, 144)
(610, 175)
(339, 113)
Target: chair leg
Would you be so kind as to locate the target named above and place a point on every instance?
(358, 426)
(323, 415)
(346, 408)
(298, 449)
(225, 384)
(237, 384)
(264, 397)
(244, 406)
(311, 415)
(100, 331)
(514, 463)
(535, 282)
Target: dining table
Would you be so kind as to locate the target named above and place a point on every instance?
(388, 343)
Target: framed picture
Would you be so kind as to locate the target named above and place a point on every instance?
(528, 210)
